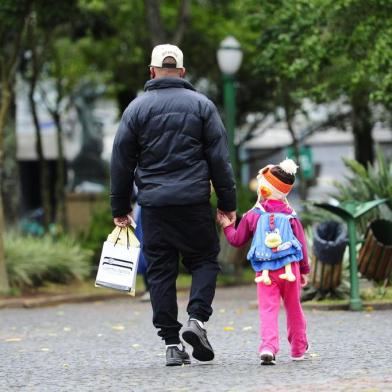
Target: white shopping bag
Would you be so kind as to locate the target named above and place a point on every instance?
(119, 259)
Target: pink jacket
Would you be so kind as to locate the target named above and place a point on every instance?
(247, 226)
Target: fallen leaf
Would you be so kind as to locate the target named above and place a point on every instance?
(228, 328)
(10, 340)
(247, 328)
(118, 327)
(369, 308)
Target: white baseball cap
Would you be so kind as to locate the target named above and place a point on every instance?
(160, 52)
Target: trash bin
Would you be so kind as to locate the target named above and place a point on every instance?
(375, 256)
(350, 211)
(329, 243)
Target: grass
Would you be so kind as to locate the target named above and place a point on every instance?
(87, 287)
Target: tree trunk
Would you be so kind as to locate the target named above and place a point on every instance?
(43, 175)
(5, 103)
(157, 29)
(10, 185)
(158, 33)
(4, 284)
(8, 70)
(61, 208)
(362, 126)
(36, 66)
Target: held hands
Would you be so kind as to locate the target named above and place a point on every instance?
(225, 218)
(304, 280)
(124, 221)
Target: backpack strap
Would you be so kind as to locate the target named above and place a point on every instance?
(272, 221)
(258, 206)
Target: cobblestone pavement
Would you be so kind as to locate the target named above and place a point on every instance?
(112, 346)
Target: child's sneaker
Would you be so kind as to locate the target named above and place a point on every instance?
(267, 358)
(301, 357)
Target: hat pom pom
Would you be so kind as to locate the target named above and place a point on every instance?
(289, 166)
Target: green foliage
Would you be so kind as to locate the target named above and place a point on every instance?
(101, 225)
(291, 45)
(364, 184)
(245, 199)
(12, 16)
(32, 261)
(325, 51)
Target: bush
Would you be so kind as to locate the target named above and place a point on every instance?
(32, 261)
(101, 225)
(362, 184)
(367, 183)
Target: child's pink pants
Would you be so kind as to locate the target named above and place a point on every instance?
(269, 304)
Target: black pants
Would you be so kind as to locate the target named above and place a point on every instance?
(169, 232)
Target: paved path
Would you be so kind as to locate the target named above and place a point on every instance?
(112, 346)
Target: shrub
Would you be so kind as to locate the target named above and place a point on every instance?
(101, 225)
(362, 184)
(32, 261)
(369, 183)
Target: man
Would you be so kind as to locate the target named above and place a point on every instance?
(171, 140)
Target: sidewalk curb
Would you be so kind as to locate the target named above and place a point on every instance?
(52, 300)
(367, 306)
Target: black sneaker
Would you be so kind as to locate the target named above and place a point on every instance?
(196, 336)
(177, 357)
(267, 358)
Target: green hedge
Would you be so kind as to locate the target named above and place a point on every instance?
(32, 261)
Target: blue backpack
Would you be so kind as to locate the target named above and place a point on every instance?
(274, 244)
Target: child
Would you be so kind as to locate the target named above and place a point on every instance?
(276, 277)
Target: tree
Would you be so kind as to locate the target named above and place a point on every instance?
(121, 50)
(32, 75)
(290, 55)
(48, 22)
(13, 17)
(324, 50)
(360, 46)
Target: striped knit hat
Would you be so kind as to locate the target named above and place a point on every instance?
(276, 181)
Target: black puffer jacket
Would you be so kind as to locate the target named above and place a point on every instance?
(175, 139)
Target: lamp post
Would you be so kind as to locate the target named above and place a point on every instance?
(229, 57)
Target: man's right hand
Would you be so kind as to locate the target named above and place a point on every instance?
(124, 221)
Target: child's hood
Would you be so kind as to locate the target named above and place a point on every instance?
(276, 206)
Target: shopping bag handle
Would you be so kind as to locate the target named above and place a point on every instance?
(119, 232)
